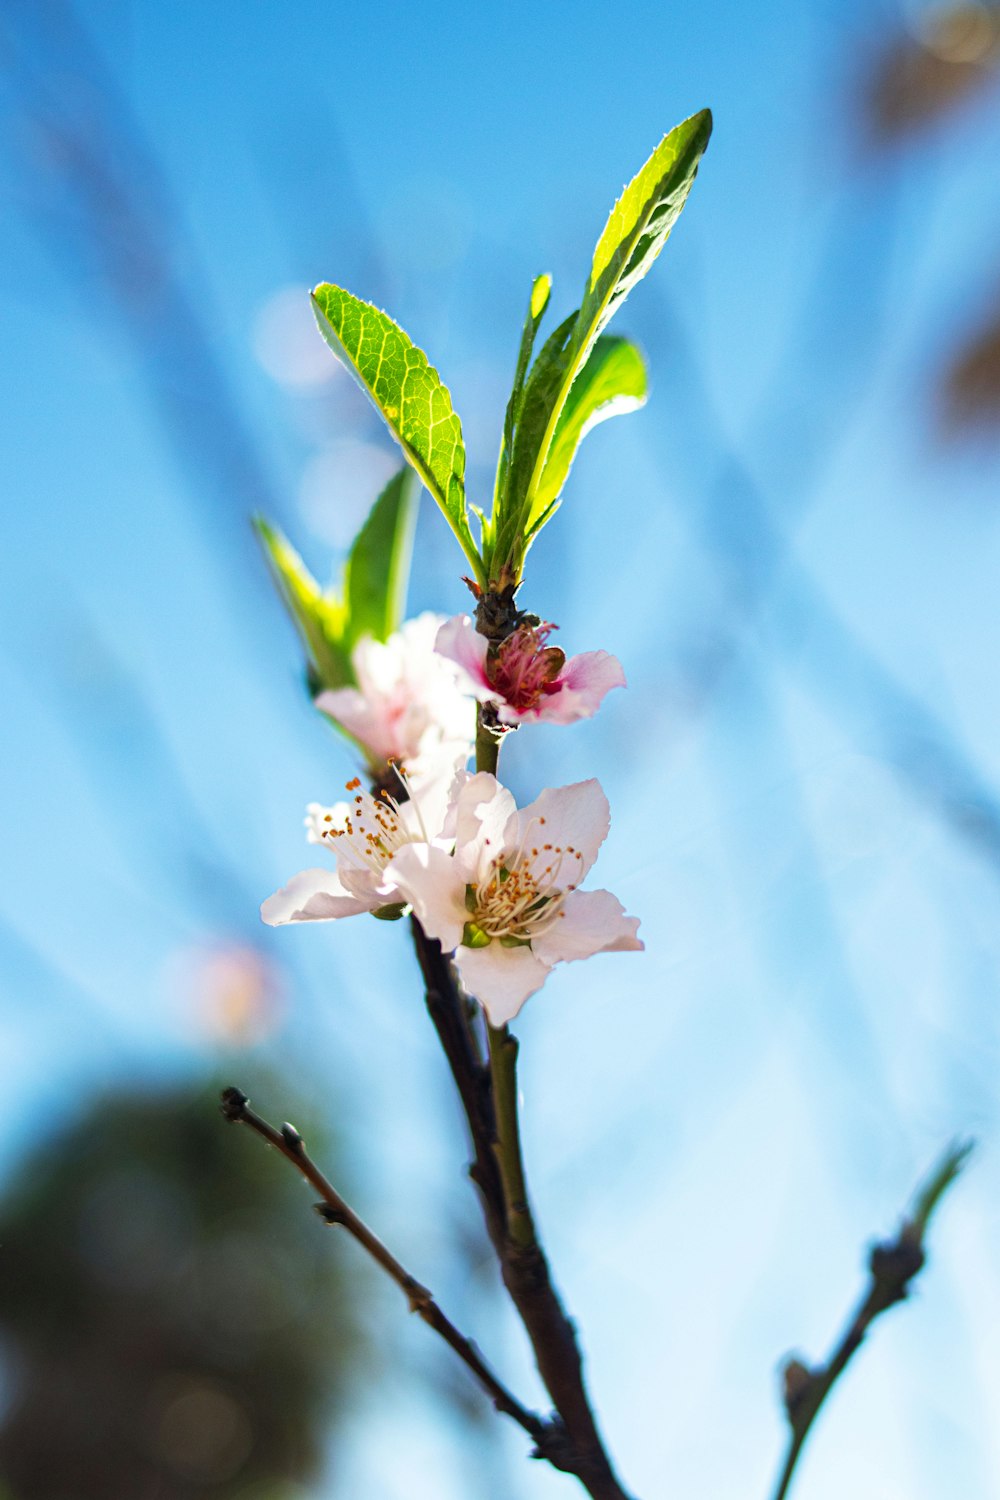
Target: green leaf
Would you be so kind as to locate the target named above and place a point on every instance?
(641, 221)
(372, 595)
(318, 617)
(541, 290)
(541, 391)
(612, 382)
(636, 231)
(378, 566)
(409, 393)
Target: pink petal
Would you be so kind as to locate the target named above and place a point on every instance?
(360, 717)
(313, 896)
(429, 879)
(461, 643)
(500, 978)
(591, 922)
(582, 686)
(576, 816)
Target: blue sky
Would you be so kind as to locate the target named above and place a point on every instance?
(799, 581)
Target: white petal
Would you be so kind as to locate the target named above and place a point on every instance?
(591, 922)
(433, 789)
(576, 817)
(429, 879)
(485, 824)
(313, 896)
(500, 978)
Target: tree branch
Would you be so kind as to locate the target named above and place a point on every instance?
(892, 1266)
(334, 1210)
(446, 1006)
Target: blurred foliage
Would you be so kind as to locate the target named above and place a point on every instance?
(921, 75)
(970, 389)
(924, 72)
(170, 1327)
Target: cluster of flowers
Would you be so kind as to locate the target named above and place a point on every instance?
(496, 885)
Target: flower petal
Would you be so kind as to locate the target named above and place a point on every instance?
(351, 709)
(590, 922)
(408, 702)
(500, 978)
(460, 642)
(576, 817)
(313, 896)
(429, 878)
(581, 687)
(486, 821)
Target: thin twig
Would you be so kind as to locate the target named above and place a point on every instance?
(333, 1208)
(892, 1266)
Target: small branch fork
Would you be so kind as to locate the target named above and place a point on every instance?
(892, 1267)
(332, 1208)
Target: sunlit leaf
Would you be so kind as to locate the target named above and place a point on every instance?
(636, 231)
(319, 617)
(409, 393)
(640, 224)
(612, 382)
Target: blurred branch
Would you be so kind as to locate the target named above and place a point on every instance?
(932, 64)
(969, 395)
(108, 197)
(756, 558)
(892, 1266)
(334, 1209)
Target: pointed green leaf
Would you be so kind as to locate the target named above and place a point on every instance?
(636, 231)
(318, 617)
(378, 567)
(541, 390)
(612, 382)
(641, 221)
(541, 290)
(409, 393)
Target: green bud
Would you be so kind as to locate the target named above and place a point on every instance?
(390, 912)
(475, 937)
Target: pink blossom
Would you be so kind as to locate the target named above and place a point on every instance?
(506, 898)
(527, 679)
(408, 706)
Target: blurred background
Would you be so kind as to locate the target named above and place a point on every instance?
(794, 549)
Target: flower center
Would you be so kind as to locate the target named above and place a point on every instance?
(523, 893)
(371, 830)
(524, 669)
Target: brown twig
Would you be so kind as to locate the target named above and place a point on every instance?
(334, 1210)
(446, 1006)
(892, 1266)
